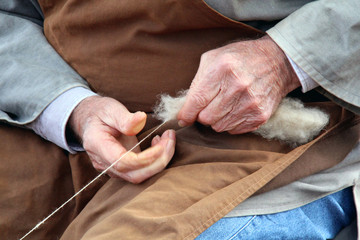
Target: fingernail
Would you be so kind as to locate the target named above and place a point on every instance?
(138, 127)
(165, 134)
(156, 139)
(181, 123)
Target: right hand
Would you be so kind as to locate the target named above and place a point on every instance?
(239, 86)
(107, 130)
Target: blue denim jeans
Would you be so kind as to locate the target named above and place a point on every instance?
(321, 219)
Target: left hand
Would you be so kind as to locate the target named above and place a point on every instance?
(108, 130)
(238, 86)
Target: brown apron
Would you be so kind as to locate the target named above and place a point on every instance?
(132, 51)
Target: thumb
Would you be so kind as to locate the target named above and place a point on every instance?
(117, 116)
(134, 124)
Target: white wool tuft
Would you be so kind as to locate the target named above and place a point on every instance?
(292, 122)
(168, 107)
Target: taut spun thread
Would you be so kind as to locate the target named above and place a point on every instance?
(96, 178)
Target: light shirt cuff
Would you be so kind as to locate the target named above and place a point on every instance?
(51, 124)
(307, 83)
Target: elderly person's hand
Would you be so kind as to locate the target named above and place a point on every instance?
(238, 86)
(107, 130)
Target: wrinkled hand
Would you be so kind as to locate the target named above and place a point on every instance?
(107, 130)
(238, 86)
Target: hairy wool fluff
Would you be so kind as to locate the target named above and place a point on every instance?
(168, 107)
(292, 122)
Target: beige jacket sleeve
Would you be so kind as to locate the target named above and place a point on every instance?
(323, 38)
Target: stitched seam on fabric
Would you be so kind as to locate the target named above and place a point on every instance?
(241, 229)
(231, 203)
(296, 155)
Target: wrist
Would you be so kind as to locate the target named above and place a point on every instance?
(288, 79)
(52, 123)
(79, 118)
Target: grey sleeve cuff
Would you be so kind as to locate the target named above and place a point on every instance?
(321, 38)
(307, 83)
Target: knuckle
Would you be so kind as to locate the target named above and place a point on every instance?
(188, 116)
(204, 56)
(132, 178)
(199, 99)
(262, 117)
(205, 119)
(226, 63)
(207, 55)
(217, 128)
(136, 180)
(133, 158)
(87, 146)
(265, 116)
(98, 167)
(240, 87)
(120, 166)
(255, 105)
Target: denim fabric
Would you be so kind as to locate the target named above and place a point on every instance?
(321, 219)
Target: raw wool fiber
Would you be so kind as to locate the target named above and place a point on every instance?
(168, 107)
(292, 122)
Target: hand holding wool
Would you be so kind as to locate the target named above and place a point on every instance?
(292, 122)
(238, 87)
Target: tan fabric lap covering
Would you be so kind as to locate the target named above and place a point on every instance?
(132, 50)
(201, 185)
(204, 181)
(35, 178)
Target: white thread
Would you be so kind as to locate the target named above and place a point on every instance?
(96, 178)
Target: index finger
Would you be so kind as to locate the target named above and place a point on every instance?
(197, 99)
(133, 161)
